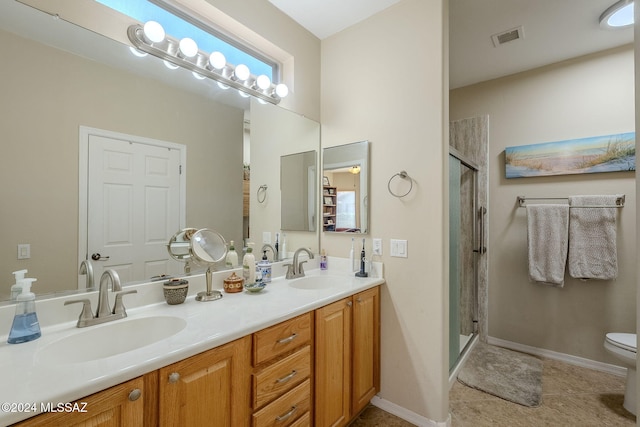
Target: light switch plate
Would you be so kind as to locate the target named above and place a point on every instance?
(399, 248)
(266, 237)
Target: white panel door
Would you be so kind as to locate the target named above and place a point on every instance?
(133, 206)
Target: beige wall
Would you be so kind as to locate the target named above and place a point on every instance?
(269, 22)
(588, 96)
(364, 99)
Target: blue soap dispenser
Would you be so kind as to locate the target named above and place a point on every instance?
(25, 323)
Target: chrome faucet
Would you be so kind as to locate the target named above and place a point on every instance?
(103, 291)
(87, 268)
(103, 313)
(295, 269)
(273, 251)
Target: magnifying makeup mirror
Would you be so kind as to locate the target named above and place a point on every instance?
(208, 247)
(179, 247)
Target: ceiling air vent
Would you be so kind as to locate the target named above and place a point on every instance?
(507, 36)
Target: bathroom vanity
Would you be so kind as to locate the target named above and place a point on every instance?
(302, 352)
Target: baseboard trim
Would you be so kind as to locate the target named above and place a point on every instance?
(563, 357)
(408, 415)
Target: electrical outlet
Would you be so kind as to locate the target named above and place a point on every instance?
(266, 237)
(24, 251)
(377, 246)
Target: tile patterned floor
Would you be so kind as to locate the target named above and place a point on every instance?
(571, 396)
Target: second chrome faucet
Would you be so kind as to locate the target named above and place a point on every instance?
(104, 313)
(295, 269)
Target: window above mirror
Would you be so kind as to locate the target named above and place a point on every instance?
(208, 39)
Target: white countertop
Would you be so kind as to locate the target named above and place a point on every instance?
(28, 379)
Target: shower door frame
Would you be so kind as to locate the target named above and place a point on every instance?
(479, 248)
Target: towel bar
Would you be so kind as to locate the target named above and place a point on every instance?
(522, 200)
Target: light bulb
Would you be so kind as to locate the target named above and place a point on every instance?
(223, 86)
(153, 32)
(282, 90)
(243, 94)
(263, 82)
(188, 47)
(198, 75)
(217, 60)
(242, 72)
(170, 65)
(137, 52)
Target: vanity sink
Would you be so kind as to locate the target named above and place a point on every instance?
(110, 339)
(316, 282)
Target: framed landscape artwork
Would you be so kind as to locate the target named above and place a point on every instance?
(609, 153)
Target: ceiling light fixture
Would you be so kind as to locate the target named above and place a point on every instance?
(151, 39)
(355, 169)
(619, 15)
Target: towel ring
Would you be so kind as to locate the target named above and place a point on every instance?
(403, 175)
(262, 190)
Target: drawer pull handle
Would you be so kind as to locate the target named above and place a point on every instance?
(287, 377)
(288, 414)
(135, 394)
(174, 377)
(288, 339)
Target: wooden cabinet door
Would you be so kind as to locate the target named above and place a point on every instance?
(332, 370)
(366, 348)
(119, 406)
(209, 389)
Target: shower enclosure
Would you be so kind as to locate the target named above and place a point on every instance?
(466, 247)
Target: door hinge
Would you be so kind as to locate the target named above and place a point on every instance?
(180, 169)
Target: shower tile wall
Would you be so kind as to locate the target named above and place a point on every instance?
(470, 137)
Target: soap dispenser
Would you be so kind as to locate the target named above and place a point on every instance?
(17, 288)
(25, 325)
(264, 266)
(232, 257)
(249, 266)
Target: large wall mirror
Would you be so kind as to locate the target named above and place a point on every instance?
(53, 87)
(345, 188)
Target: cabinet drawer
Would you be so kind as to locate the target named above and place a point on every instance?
(286, 410)
(303, 421)
(280, 377)
(281, 338)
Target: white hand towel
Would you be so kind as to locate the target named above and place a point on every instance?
(592, 238)
(547, 237)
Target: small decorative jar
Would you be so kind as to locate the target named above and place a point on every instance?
(175, 291)
(233, 283)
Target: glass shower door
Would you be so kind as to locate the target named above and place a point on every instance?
(464, 215)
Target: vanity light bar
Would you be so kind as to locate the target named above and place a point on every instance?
(169, 50)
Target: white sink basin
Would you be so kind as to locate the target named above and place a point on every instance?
(110, 339)
(316, 282)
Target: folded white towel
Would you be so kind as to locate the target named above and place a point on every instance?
(547, 238)
(592, 238)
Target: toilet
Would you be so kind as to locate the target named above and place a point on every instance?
(624, 348)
